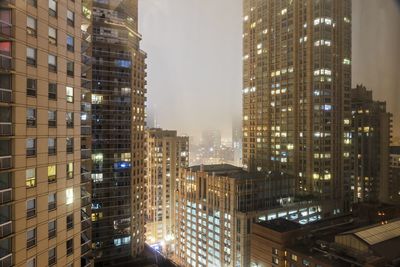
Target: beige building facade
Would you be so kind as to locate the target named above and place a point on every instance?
(43, 197)
(167, 153)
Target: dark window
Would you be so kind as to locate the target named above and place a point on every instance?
(53, 91)
(30, 208)
(32, 3)
(31, 117)
(52, 118)
(70, 246)
(30, 147)
(31, 87)
(31, 56)
(70, 119)
(70, 144)
(70, 68)
(52, 60)
(70, 221)
(5, 88)
(52, 146)
(52, 201)
(52, 229)
(52, 256)
(31, 238)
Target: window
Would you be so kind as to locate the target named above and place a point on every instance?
(70, 170)
(52, 60)
(31, 87)
(70, 144)
(53, 8)
(53, 91)
(294, 257)
(70, 43)
(5, 148)
(274, 251)
(52, 256)
(52, 146)
(34, 4)
(70, 94)
(70, 68)
(30, 147)
(52, 229)
(69, 193)
(51, 173)
(31, 26)
(52, 36)
(70, 119)
(52, 118)
(306, 262)
(31, 238)
(5, 88)
(70, 246)
(30, 178)
(52, 201)
(275, 260)
(31, 262)
(31, 117)
(31, 56)
(70, 18)
(30, 208)
(70, 221)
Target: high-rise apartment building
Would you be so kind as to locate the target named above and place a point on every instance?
(296, 94)
(371, 132)
(118, 121)
(394, 174)
(217, 204)
(44, 193)
(166, 154)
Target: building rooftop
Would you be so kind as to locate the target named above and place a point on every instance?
(281, 225)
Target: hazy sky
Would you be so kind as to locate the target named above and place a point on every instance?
(195, 59)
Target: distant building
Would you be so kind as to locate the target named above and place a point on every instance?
(367, 238)
(371, 130)
(237, 141)
(394, 174)
(211, 139)
(296, 94)
(216, 205)
(166, 154)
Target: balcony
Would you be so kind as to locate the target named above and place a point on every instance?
(6, 259)
(5, 63)
(5, 128)
(85, 177)
(5, 162)
(86, 154)
(86, 130)
(5, 29)
(5, 228)
(5, 196)
(5, 95)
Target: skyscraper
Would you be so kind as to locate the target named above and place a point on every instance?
(296, 93)
(166, 154)
(372, 126)
(43, 193)
(118, 108)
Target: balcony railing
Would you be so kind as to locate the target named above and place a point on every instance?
(5, 162)
(85, 153)
(5, 128)
(5, 229)
(6, 260)
(5, 63)
(5, 195)
(5, 95)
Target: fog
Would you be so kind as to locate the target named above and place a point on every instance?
(195, 55)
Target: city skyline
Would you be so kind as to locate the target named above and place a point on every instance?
(173, 48)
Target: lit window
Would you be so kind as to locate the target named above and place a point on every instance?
(69, 196)
(30, 177)
(69, 94)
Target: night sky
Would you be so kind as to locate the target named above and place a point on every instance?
(195, 59)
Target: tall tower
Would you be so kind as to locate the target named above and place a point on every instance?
(296, 93)
(118, 108)
(372, 127)
(167, 153)
(43, 192)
